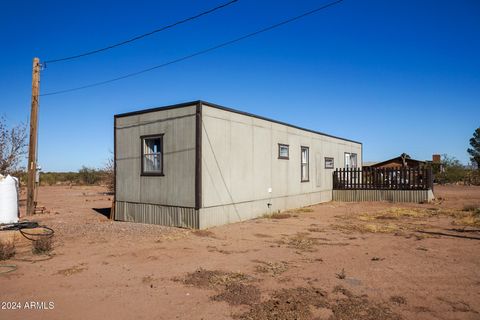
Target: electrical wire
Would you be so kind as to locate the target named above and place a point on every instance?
(142, 35)
(224, 44)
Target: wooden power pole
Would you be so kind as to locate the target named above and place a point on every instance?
(32, 147)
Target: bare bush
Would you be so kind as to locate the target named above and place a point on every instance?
(7, 250)
(109, 175)
(42, 246)
(13, 146)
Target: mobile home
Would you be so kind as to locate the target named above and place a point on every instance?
(199, 165)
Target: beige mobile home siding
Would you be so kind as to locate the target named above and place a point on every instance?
(240, 163)
(177, 187)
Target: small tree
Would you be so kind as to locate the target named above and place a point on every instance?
(110, 175)
(474, 151)
(453, 170)
(13, 146)
(89, 175)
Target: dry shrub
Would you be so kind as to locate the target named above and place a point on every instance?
(468, 214)
(278, 215)
(287, 304)
(471, 207)
(396, 220)
(231, 286)
(7, 250)
(272, 268)
(398, 300)
(397, 213)
(472, 220)
(73, 270)
(368, 227)
(301, 303)
(304, 210)
(287, 214)
(42, 246)
(302, 241)
(238, 293)
(262, 235)
(342, 290)
(360, 308)
(471, 216)
(212, 279)
(203, 233)
(341, 275)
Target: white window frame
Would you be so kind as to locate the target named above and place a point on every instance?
(351, 160)
(304, 165)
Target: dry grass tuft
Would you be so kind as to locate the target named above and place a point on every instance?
(398, 300)
(402, 220)
(272, 268)
(73, 270)
(471, 207)
(307, 303)
(202, 278)
(341, 275)
(7, 250)
(287, 304)
(42, 246)
(398, 213)
(360, 308)
(262, 235)
(203, 233)
(232, 286)
(472, 220)
(278, 215)
(304, 210)
(301, 241)
(368, 227)
(238, 293)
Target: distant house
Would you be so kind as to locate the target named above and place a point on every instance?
(403, 160)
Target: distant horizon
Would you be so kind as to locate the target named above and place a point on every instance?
(354, 70)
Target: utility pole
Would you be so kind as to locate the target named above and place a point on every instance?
(32, 147)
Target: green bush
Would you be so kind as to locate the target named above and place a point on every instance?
(452, 171)
(89, 175)
(85, 175)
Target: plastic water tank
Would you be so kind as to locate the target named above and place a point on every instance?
(8, 199)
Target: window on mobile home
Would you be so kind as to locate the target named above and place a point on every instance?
(304, 162)
(350, 160)
(283, 152)
(152, 155)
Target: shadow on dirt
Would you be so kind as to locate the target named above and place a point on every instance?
(103, 211)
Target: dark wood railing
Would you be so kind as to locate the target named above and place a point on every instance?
(383, 179)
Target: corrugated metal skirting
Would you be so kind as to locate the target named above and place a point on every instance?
(383, 195)
(157, 214)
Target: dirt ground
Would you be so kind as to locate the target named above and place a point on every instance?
(330, 261)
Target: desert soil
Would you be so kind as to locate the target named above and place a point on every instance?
(329, 261)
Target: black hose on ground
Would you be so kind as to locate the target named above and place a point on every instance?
(8, 268)
(21, 226)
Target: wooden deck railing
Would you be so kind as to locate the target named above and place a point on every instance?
(383, 178)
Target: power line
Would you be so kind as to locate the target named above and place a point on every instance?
(142, 35)
(224, 44)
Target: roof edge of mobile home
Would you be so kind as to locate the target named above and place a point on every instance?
(213, 105)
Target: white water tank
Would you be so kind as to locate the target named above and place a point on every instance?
(8, 199)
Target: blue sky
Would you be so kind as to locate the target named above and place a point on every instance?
(399, 76)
